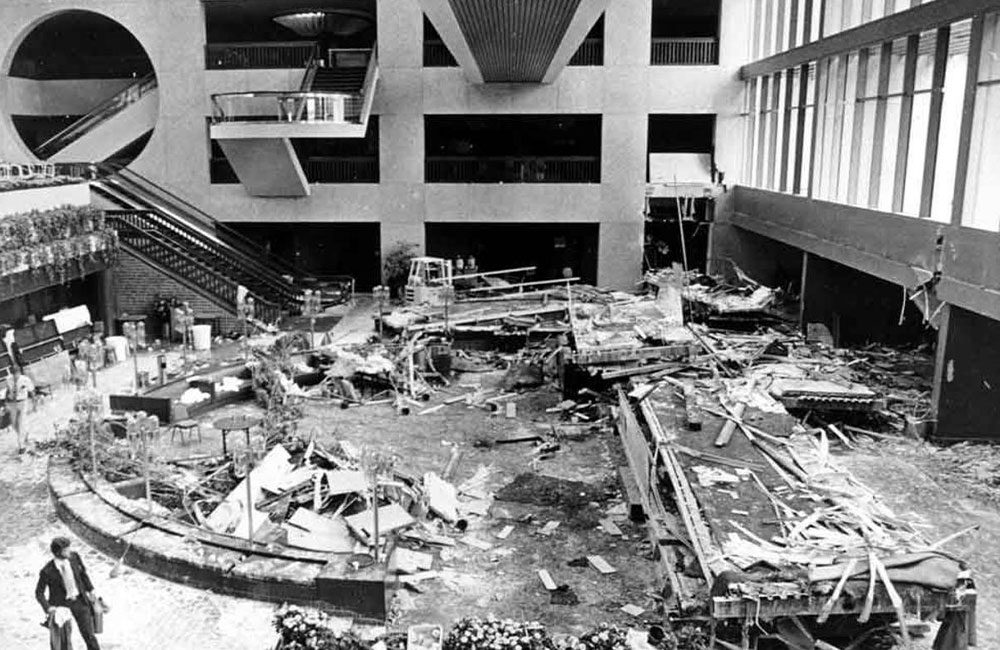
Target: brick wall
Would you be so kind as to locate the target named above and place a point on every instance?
(139, 285)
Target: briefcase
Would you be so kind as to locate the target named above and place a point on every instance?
(99, 608)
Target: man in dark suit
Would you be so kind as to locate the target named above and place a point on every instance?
(68, 585)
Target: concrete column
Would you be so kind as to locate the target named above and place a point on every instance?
(107, 298)
(967, 386)
(399, 104)
(619, 259)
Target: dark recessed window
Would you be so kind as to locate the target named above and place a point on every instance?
(512, 148)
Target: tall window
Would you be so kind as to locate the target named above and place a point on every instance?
(982, 198)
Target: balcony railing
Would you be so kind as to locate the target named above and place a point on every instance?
(244, 56)
(685, 51)
(513, 169)
(341, 169)
(590, 52)
(287, 107)
(437, 55)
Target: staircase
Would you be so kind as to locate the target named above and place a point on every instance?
(109, 127)
(206, 255)
(338, 80)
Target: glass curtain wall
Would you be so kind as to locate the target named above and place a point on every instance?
(781, 25)
(883, 127)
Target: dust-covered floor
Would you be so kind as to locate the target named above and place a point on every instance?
(917, 480)
(576, 486)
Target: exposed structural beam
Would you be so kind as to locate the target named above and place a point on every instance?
(968, 114)
(905, 122)
(881, 107)
(587, 14)
(856, 237)
(858, 125)
(931, 15)
(442, 16)
(934, 121)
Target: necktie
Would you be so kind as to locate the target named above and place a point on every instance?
(68, 579)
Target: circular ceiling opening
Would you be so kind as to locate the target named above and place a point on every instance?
(109, 111)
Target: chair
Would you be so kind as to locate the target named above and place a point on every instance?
(183, 424)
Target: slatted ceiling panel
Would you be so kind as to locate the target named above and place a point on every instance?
(514, 40)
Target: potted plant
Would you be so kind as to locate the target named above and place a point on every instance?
(396, 266)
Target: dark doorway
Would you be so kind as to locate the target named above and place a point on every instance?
(549, 247)
(662, 245)
(324, 249)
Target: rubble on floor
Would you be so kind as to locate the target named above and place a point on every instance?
(729, 434)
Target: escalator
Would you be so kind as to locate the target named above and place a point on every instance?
(142, 235)
(115, 124)
(145, 209)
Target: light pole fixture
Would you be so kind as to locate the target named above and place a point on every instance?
(131, 332)
(245, 311)
(185, 318)
(448, 296)
(312, 306)
(381, 294)
(243, 464)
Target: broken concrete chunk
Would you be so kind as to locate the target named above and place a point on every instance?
(633, 610)
(390, 517)
(610, 527)
(505, 532)
(345, 481)
(406, 561)
(315, 532)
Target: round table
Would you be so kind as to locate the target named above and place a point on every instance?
(236, 423)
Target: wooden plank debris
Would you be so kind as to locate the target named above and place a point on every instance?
(692, 414)
(729, 426)
(610, 527)
(601, 564)
(633, 610)
(475, 543)
(391, 517)
(548, 528)
(317, 532)
(547, 580)
(505, 532)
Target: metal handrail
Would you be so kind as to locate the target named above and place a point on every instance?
(183, 236)
(695, 50)
(310, 74)
(176, 258)
(138, 182)
(98, 115)
(230, 245)
(259, 54)
(289, 107)
(512, 169)
(590, 52)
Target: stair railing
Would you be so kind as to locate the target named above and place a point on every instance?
(246, 271)
(98, 115)
(225, 233)
(178, 262)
